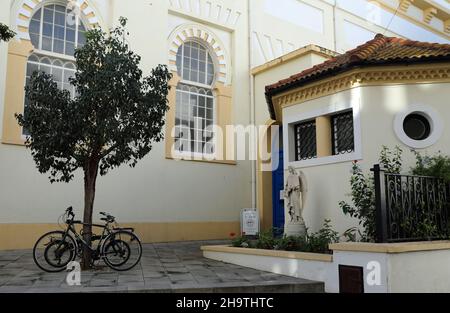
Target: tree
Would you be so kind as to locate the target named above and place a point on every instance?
(5, 33)
(114, 118)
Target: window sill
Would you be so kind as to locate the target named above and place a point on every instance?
(199, 160)
(14, 142)
(333, 159)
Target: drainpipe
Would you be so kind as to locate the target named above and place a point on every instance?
(252, 101)
(334, 25)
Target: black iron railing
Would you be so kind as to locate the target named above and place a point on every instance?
(411, 208)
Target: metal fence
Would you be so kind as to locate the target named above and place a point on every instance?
(410, 208)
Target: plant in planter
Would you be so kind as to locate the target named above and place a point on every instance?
(291, 243)
(315, 242)
(240, 242)
(363, 195)
(318, 242)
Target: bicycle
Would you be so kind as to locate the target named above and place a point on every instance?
(119, 248)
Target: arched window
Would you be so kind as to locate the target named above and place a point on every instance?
(57, 29)
(55, 33)
(195, 106)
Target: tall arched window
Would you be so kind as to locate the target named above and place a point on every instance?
(55, 33)
(195, 105)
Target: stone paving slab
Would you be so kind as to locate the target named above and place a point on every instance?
(165, 267)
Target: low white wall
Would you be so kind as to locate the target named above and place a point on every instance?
(424, 271)
(387, 268)
(361, 259)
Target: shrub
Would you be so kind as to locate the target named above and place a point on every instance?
(240, 242)
(315, 242)
(291, 243)
(319, 242)
(436, 166)
(363, 195)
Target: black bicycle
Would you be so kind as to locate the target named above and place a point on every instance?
(119, 248)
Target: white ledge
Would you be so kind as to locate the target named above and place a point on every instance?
(271, 253)
(391, 247)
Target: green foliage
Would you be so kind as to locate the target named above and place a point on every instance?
(240, 242)
(319, 242)
(436, 166)
(291, 243)
(5, 33)
(115, 117)
(351, 234)
(391, 160)
(425, 228)
(363, 194)
(265, 240)
(315, 242)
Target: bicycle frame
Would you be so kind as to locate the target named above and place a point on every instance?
(72, 231)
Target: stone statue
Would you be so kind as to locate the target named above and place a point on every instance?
(295, 196)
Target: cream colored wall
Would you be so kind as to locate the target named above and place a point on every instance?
(161, 190)
(276, 73)
(4, 18)
(266, 75)
(345, 24)
(273, 36)
(329, 184)
(381, 104)
(157, 190)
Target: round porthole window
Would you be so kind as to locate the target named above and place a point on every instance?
(418, 126)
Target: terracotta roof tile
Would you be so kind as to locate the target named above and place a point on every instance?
(380, 50)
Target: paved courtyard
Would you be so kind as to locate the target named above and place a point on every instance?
(168, 267)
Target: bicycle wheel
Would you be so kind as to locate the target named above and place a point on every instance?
(118, 252)
(122, 250)
(54, 251)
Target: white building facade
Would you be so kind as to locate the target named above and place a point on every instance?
(222, 54)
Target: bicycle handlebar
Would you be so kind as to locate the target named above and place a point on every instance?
(70, 213)
(107, 217)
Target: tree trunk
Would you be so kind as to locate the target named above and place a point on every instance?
(90, 178)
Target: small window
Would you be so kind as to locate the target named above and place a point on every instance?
(417, 126)
(305, 141)
(343, 133)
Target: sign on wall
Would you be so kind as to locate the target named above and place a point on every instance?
(249, 222)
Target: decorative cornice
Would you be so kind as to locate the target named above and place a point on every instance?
(369, 76)
(188, 32)
(26, 9)
(219, 13)
(430, 10)
(314, 49)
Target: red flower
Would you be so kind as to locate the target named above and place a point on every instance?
(232, 235)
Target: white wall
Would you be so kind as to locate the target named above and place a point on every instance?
(408, 272)
(163, 190)
(281, 26)
(424, 271)
(305, 269)
(329, 184)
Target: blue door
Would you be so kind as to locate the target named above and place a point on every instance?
(277, 199)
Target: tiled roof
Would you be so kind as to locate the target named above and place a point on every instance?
(381, 50)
